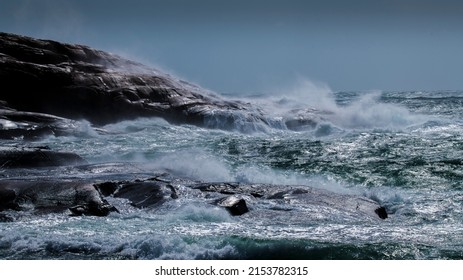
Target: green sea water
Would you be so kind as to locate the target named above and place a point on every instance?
(401, 149)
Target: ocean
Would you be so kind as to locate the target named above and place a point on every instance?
(401, 149)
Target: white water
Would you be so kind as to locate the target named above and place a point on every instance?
(393, 152)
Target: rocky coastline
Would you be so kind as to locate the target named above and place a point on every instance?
(52, 88)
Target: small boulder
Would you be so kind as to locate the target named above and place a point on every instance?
(235, 205)
(53, 196)
(107, 188)
(381, 212)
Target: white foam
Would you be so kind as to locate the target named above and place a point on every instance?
(367, 112)
(195, 163)
(199, 213)
(6, 124)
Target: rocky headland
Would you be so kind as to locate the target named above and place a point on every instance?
(53, 88)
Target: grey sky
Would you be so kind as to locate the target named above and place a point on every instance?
(255, 46)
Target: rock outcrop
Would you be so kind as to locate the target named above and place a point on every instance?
(90, 197)
(21, 125)
(308, 195)
(78, 82)
(45, 196)
(32, 157)
(141, 194)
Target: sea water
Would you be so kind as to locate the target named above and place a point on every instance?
(401, 149)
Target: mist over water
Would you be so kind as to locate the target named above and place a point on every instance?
(335, 111)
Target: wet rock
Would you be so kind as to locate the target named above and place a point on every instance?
(381, 212)
(93, 209)
(300, 194)
(5, 218)
(47, 196)
(31, 126)
(256, 190)
(78, 82)
(26, 157)
(88, 198)
(146, 194)
(235, 205)
(107, 188)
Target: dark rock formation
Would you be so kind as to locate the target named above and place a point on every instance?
(24, 157)
(305, 194)
(79, 82)
(381, 212)
(235, 205)
(142, 194)
(5, 218)
(107, 188)
(31, 126)
(303, 119)
(45, 196)
(87, 198)
(93, 209)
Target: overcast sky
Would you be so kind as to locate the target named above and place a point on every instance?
(251, 46)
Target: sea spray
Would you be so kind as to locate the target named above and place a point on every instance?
(411, 166)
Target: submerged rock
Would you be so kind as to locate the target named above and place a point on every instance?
(47, 196)
(26, 157)
(87, 198)
(304, 119)
(381, 211)
(30, 126)
(300, 194)
(93, 209)
(145, 194)
(5, 218)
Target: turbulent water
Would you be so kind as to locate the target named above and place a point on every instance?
(402, 149)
